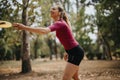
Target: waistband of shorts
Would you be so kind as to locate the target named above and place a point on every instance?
(72, 48)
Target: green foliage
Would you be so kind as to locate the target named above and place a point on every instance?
(8, 37)
(5, 8)
(108, 13)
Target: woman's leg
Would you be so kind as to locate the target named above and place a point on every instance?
(75, 76)
(70, 70)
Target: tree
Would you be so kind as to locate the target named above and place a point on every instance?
(26, 65)
(108, 25)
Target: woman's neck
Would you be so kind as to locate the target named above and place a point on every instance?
(57, 18)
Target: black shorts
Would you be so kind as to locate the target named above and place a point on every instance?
(75, 55)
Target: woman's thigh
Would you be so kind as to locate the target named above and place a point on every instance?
(70, 70)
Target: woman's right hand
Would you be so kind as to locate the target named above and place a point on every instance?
(18, 26)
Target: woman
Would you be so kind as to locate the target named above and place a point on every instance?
(64, 33)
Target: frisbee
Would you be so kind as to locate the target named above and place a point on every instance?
(5, 24)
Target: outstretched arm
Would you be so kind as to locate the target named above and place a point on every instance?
(39, 30)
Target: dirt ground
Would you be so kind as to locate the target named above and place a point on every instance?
(53, 70)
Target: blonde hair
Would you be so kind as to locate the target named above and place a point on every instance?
(63, 15)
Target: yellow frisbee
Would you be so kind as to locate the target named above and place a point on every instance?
(5, 24)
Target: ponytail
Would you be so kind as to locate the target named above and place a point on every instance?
(63, 15)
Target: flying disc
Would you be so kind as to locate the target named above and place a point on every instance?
(5, 24)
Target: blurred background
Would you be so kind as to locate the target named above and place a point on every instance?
(95, 25)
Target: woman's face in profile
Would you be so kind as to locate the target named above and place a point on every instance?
(54, 12)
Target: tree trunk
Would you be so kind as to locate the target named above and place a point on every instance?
(35, 49)
(26, 65)
(55, 49)
(77, 6)
(107, 48)
(49, 41)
